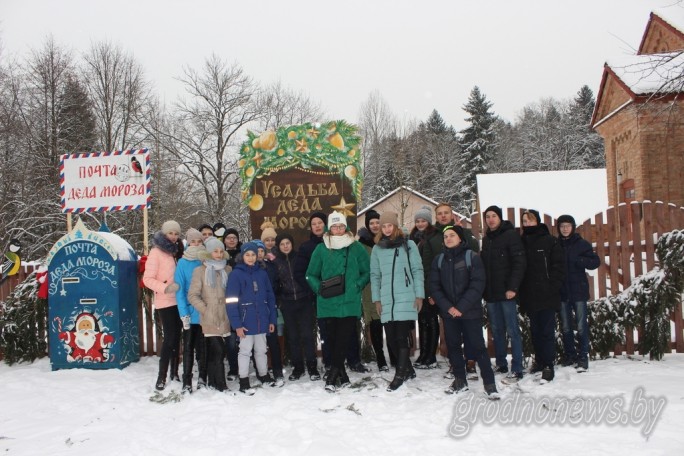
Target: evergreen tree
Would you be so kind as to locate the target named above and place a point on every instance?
(477, 145)
(589, 142)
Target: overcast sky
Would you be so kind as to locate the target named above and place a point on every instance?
(420, 55)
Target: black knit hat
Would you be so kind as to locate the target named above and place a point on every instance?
(321, 215)
(205, 226)
(565, 218)
(233, 231)
(282, 236)
(495, 209)
(370, 215)
(219, 230)
(458, 229)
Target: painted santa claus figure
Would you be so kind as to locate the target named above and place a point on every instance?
(85, 341)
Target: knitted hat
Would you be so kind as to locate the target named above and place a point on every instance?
(212, 244)
(283, 236)
(458, 229)
(319, 215)
(389, 217)
(258, 243)
(336, 218)
(192, 235)
(205, 226)
(219, 230)
(268, 231)
(496, 210)
(423, 213)
(171, 225)
(565, 218)
(249, 246)
(370, 215)
(232, 231)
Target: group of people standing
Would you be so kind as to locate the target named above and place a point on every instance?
(227, 298)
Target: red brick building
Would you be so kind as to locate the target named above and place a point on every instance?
(640, 115)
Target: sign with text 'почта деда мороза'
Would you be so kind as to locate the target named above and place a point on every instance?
(105, 181)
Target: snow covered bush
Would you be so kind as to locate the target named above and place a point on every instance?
(22, 323)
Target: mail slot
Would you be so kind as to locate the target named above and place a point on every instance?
(92, 301)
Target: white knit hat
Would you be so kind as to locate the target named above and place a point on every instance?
(336, 218)
(171, 225)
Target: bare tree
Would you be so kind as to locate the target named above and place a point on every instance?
(119, 93)
(280, 106)
(220, 100)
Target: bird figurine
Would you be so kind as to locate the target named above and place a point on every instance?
(11, 262)
(135, 165)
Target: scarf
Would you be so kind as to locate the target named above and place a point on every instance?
(160, 241)
(214, 266)
(338, 242)
(191, 252)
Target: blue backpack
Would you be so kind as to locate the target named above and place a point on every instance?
(468, 260)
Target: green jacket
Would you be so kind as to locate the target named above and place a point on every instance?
(328, 262)
(397, 279)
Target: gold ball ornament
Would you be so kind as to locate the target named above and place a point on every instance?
(350, 171)
(249, 172)
(256, 143)
(292, 135)
(241, 163)
(352, 153)
(281, 152)
(268, 140)
(256, 203)
(336, 141)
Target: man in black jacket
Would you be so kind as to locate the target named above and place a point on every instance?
(503, 255)
(579, 256)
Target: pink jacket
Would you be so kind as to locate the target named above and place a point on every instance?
(159, 271)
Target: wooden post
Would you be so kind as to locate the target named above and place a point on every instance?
(68, 222)
(145, 232)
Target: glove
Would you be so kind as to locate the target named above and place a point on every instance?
(171, 288)
(186, 322)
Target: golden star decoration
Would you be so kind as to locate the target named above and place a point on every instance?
(301, 145)
(344, 208)
(257, 158)
(312, 132)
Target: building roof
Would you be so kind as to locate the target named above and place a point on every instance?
(671, 19)
(410, 190)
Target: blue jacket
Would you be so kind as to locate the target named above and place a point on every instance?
(183, 277)
(396, 279)
(579, 256)
(250, 301)
(454, 285)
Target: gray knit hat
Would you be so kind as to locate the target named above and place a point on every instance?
(424, 213)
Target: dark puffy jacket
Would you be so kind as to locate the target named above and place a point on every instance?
(250, 302)
(288, 288)
(454, 285)
(503, 255)
(540, 288)
(579, 256)
(303, 258)
(433, 243)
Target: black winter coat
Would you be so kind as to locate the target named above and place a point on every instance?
(545, 271)
(453, 285)
(579, 256)
(303, 258)
(503, 255)
(288, 288)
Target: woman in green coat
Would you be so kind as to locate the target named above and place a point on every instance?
(339, 255)
(397, 286)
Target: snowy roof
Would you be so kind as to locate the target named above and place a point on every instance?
(408, 189)
(580, 193)
(651, 73)
(673, 16)
(117, 247)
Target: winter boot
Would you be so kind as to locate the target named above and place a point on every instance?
(245, 387)
(547, 374)
(296, 374)
(401, 375)
(491, 392)
(266, 380)
(173, 367)
(582, 365)
(431, 341)
(161, 383)
(457, 386)
(312, 369)
(471, 370)
(331, 380)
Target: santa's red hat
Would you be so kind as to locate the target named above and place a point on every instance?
(89, 317)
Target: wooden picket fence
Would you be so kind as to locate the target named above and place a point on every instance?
(624, 238)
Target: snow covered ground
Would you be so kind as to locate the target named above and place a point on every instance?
(80, 411)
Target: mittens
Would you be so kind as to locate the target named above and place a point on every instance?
(171, 288)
